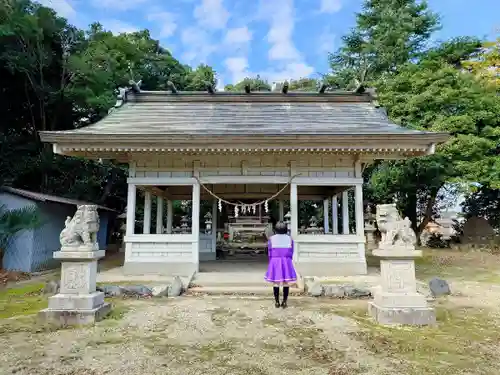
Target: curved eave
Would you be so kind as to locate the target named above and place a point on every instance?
(271, 140)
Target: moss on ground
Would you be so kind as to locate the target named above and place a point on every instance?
(465, 341)
(26, 299)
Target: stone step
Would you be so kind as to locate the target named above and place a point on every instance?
(238, 290)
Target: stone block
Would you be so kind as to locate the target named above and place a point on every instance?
(74, 317)
(76, 302)
(393, 300)
(420, 316)
(78, 277)
(439, 287)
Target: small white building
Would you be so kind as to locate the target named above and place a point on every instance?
(244, 146)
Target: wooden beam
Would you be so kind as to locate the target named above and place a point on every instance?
(210, 88)
(172, 87)
(284, 89)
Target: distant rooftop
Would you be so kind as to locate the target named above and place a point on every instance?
(48, 198)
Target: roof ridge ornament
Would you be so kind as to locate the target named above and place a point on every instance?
(121, 98)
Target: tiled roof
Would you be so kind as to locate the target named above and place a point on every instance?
(162, 113)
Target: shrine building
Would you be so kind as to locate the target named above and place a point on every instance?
(218, 163)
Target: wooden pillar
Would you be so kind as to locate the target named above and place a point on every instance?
(345, 212)
(358, 202)
(214, 226)
(170, 216)
(294, 211)
(326, 220)
(131, 198)
(147, 212)
(159, 215)
(281, 210)
(335, 215)
(195, 224)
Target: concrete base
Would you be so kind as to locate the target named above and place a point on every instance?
(158, 268)
(331, 269)
(419, 316)
(204, 257)
(74, 317)
(76, 302)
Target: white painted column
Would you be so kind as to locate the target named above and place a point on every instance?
(294, 220)
(281, 206)
(335, 215)
(159, 215)
(147, 212)
(326, 220)
(131, 198)
(195, 224)
(345, 212)
(170, 216)
(214, 226)
(358, 202)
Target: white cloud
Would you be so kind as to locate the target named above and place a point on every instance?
(280, 14)
(326, 42)
(118, 5)
(294, 70)
(211, 14)
(330, 6)
(238, 68)
(281, 17)
(62, 7)
(197, 46)
(238, 36)
(166, 22)
(118, 27)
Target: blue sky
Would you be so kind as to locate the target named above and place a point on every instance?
(278, 39)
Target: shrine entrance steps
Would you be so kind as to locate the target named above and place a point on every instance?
(237, 283)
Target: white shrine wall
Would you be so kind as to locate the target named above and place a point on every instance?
(315, 255)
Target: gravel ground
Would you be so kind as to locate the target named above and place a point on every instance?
(199, 335)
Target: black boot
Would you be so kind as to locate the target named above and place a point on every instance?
(286, 289)
(276, 292)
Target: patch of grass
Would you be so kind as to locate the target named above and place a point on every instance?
(22, 300)
(118, 310)
(269, 321)
(210, 351)
(220, 317)
(452, 264)
(465, 341)
(107, 340)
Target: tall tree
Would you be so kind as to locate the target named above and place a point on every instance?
(487, 64)
(388, 33)
(434, 95)
(56, 77)
(256, 84)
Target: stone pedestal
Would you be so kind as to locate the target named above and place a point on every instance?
(397, 301)
(78, 302)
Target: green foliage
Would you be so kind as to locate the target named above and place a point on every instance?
(17, 220)
(484, 202)
(256, 84)
(388, 33)
(58, 77)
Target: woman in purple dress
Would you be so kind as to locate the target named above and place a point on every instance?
(280, 270)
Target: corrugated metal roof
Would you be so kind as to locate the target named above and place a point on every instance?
(155, 113)
(48, 198)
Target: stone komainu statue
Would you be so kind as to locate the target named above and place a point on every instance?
(396, 232)
(80, 232)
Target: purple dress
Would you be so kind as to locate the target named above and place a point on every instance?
(280, 269)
